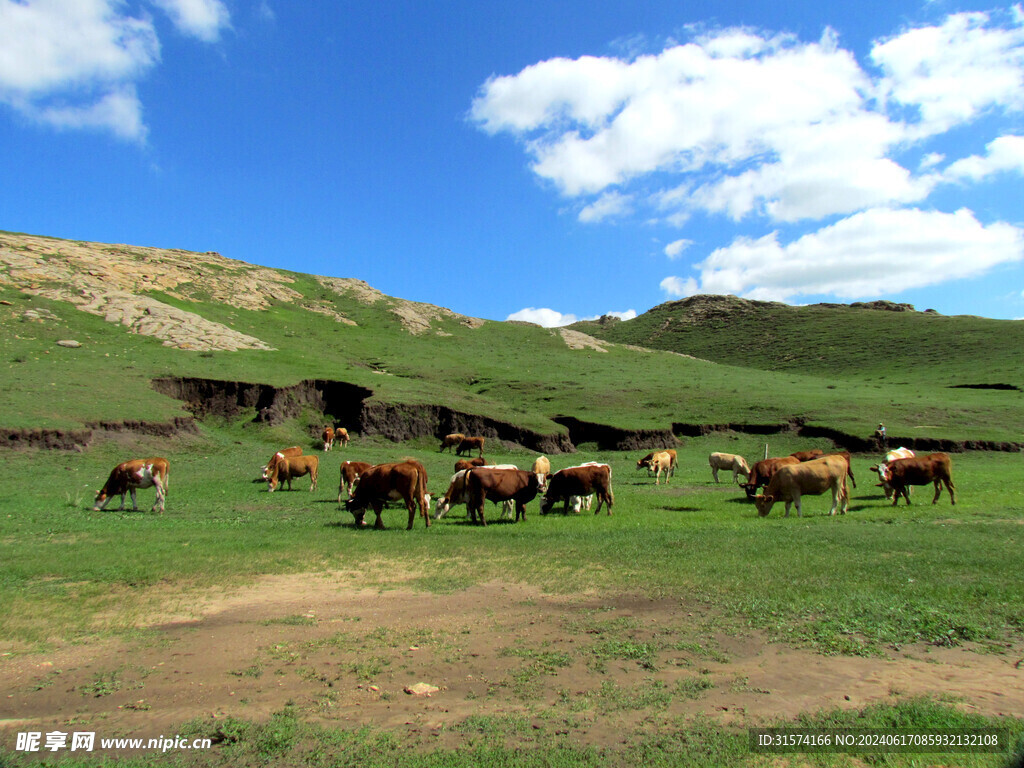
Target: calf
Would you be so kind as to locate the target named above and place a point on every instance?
(762, 471)
(728, 461)
(129, 475)
(934, 468)
(662, 461)
(812, 478)
(405, 481)
(579, 481)
(290, 467)
(350, 472)
(646, 461)
(293, 451)
(470, 444)
(515, 485)
(451, 441)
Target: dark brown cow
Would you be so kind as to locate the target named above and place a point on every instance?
(451, 441)
(405, 481)
(129, 475)
(762, 471)
(483, 484)
(350, 472)
(291, 467)
(579, 481)
(469, 444)
(811, 455)
(293, 451)
(934, 468)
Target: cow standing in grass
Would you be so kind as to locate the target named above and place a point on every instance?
(283, 453)
(404, 481)
(290, 467)
(350, 472)
(934, 468)
(137, 473)
(811, 478)
(730, 462)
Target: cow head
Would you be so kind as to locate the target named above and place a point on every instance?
(358, 510)
(764, 504)
(750, 489)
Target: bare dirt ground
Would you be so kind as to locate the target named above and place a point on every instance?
(598, 668)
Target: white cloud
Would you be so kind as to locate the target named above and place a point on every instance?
(675, 249)
(869, 254)
(1003, 154)
(680, 288)
(202, 19)
(76, 63)
(548, 318)
(629, 314)
(609, 205)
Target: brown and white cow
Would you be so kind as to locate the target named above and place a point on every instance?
(457, 494)
(341, 436)
(579, 481)
(489, 484)
(471, 444)
(451, 441)
(127, 476)
(762, 472)
(328, 438)
(404, 481)
(811, 455)
(293, 451)
(811, 478)
(728, 461)
(890, 457)
(291, 467)
(934, 468)
(662, 462)
(350, 472)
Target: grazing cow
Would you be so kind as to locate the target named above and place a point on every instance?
(451, 441)
(541, 466)
(515, 485)
(730, 461)
(462, 464)
(290, 467)
(810, 478)
(350, 472)
(814, 453)
(328, 438)
(646, 461)
(405, 481)
(849, 465)
(457, 494)
(129, 475)
(890, 457)
(469, 444)
(341, 436)
(762, 471)
(293, 451)
(579, 481)
(662, 461)
(934, 468)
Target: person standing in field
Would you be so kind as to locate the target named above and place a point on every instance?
(880, 438)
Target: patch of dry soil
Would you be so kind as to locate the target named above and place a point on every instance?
(345, 655)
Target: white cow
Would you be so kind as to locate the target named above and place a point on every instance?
(729, 461)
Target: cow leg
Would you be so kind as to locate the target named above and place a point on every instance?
(714, 473)
(161, 494)
(788, 503)
(836, 493)
(520, 512)
(312, 477)
(135, 505)
(951, 488)
(411, 507)
(378, 508)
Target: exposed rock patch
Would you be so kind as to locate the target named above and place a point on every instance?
(578, 340)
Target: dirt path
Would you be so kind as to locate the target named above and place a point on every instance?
(598, 668)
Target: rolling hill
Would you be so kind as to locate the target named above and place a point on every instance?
(100, 337)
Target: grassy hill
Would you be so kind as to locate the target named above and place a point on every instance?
(142, 314)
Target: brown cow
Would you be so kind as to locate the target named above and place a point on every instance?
(341, 436)
(762, 471)
(934, 468)
(471, 443)
(290, 467)
(462, 464)
(810, 478)
(405, 481)
(484, 483)
(136, 473)
(293, 451)
(579, 481)
(350, 472)
(457, 493)
(811, 455)
(891, 456)
(328, 438)
(452, 440)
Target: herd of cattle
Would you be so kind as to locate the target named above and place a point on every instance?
(371, 486)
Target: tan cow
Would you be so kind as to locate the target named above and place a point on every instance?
(350, 472)
(471, 444)
(579, 481)
(291, 467)
(728, 461)
(811, 478)
(136, 473)
(662, 461)
(451, 441)
(646, 461)
(341, 436)
(404, 481)
(293, 451)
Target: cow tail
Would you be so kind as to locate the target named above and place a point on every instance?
(421, 492)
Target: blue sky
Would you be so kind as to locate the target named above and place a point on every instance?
(547, 162)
